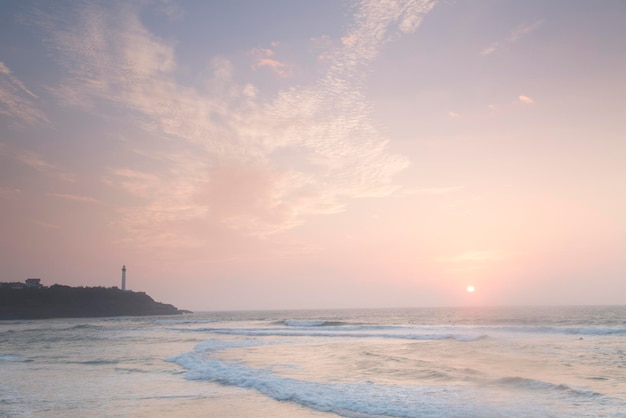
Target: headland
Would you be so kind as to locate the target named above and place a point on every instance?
(23, 301)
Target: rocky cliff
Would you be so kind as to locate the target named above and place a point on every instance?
(74, 302)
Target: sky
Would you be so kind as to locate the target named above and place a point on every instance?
(290, 154)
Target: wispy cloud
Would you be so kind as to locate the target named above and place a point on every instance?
(490, 49)
(237, 176)
(38, 163)
(443, 190)
(9, 192)
(16, 100)
(525, 99)
(437, 190)
(137, 183)
(522, 30)
(4, 70)
(47, 225)
(514, 36)
(73, 197)
(265, 58)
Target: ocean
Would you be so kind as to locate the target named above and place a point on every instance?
(429, 362)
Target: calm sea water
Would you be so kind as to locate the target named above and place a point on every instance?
(466, 362)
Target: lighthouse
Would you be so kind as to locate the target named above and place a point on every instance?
(124, 277)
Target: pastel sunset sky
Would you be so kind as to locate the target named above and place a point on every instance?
(317, 154)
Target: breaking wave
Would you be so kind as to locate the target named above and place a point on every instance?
(350, 399)
(539, 385)
(390, 333)
(312, 323)
(183, 321)
(370, 399)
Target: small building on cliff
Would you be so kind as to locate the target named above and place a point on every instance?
(33, 283)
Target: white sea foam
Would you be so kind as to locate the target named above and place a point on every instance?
(13, 358)
(351, 399)
(303, 323)
(348, 400)
(590, 331)
(405, 333)
(183, 321)
(539, 385)
(425, 383)
(369, 399)
(404, 363)
(295, 328)
(313, 323)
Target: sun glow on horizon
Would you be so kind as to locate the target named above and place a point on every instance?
(470, 289)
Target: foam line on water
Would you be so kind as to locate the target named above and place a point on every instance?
(462, 333)
(529, 397)
(312, 323)
(342, 333)
(540, 385)
(350, 399)
(183, 321)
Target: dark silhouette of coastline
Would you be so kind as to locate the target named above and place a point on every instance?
(59, 301)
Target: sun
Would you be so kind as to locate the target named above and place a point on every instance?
(470, 289)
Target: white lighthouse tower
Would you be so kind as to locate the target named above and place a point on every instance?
(124, 277)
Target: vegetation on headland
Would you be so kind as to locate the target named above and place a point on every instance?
(59, 301)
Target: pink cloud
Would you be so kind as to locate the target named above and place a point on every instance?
(515, 35)
(73, 197)
(9, 192)
(37, 163)
(490, 49)
(349, 40)
(17, 100)
(229, 177)
(526, 99)
(4, 69)
(263, 59)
